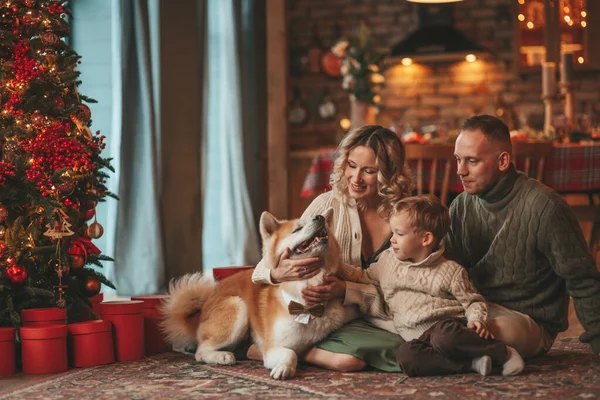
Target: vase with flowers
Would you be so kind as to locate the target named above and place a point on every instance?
(362, 75)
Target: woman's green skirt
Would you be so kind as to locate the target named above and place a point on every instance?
(361, 339)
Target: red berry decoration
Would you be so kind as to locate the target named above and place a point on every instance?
(16, 274)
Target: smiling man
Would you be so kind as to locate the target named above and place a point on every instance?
(521, 244)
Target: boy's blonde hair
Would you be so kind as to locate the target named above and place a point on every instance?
(426, 214)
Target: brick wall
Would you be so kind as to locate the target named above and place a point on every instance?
(421, 94)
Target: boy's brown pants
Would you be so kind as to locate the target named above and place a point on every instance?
(448, 347)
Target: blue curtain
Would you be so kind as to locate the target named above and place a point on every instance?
(229, 232)
(138, 243)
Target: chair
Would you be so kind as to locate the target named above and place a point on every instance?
(436, 154)
(532, 151)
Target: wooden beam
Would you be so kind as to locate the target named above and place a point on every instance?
(277, 132)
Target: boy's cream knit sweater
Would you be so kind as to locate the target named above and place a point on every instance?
(417, 295)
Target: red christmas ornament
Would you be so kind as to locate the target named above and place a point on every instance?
(331, 65)
(37, 119)
(77, 261)
(16, 274)
(59, 103)
(89, 214)
(92, 286)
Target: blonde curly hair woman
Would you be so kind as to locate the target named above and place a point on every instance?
(369, 174)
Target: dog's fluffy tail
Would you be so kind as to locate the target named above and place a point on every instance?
(182, 307)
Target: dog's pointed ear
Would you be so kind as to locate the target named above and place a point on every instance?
(328, 215)
(268, 224)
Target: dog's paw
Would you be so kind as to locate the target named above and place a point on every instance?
(283, 371)
(216, 357)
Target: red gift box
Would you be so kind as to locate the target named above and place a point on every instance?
(7, 349)
(223, 272)
(127, 318)
(155, 342)
(44, 316)
(91, 343)
(44, 349)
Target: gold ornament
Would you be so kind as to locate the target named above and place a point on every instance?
(95, 230)
(3, 213)
(84, 114)
(49, 39)
(60, 227)
(32, 17)
(10, 150)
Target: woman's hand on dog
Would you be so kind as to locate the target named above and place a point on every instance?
(333, 287)
(295, 270)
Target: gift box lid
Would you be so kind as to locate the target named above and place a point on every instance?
(44, 314)
(99, 298)
(43, 332)
(7, 334)
(151, 300)
(122, 307)
(86, 327)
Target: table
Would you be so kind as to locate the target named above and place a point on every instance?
(571, 168)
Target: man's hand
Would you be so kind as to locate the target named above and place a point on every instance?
(295, 270)
(332, 288)
(480, 329)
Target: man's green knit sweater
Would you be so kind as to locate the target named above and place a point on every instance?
(524, 250)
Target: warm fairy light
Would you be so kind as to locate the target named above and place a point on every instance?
(31, 161)
(28, 126)
(583, 24)
(567, 10)
(580, 60)
(406, 61)
(584, 14)
(345, 123)
(52, 69)
(521, 1)
(570, 23)
(567, 18)
(530, 25)
(470, 58)
(377, 99)
(521, 17)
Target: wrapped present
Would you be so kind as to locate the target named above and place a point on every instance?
(90, 343)
(7, 349)
(127, 318)
(44, 349)
(154, 339)
(44, 316)
(223, 272)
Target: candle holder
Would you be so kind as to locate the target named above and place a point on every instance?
(548, 117)
(567, 90)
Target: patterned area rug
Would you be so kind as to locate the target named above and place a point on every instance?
(570, 370)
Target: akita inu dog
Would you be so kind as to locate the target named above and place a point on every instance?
(217, 316)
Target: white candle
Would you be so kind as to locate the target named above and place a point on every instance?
(566, 67)
(548, 79)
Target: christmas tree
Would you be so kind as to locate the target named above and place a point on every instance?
(51, 173)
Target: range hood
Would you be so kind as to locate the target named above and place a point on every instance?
(435, 39)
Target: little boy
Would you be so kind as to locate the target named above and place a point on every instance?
(430, 299)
